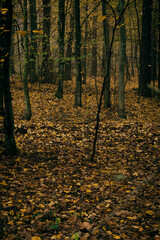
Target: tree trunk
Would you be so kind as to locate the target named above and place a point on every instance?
(94, 48)
(78, 90)
(122, 56)
(33, 47)
(85, 47)
(68, 63)
(107, 97)
(5, 44)
(12, 66)
(154, 41)
(159, 45)
(28, 113)
(145, 50)
(46, 63)
(131, 50)
(61, 31)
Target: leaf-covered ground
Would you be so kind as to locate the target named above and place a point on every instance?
(51, 190)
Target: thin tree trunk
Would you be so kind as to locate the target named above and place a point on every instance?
(78, 90)
(122, 53)
(68, 63)
(131, 40)
(46, 63)
(85, 46)
(107, 94)
(94, 48)
(33, 47)
(28, 113)
(61, 30)
(137, 43)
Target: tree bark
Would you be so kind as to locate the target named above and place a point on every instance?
(94, 47)
(107, 94)
(61, 31)
(78, 90)
(145, 50)
(33, 46)
(122, 53)
(159, 45)
(5, 44)
(68, 62)
(46, 63)
(154, 42)
(85, 46)
(12, 66)
(28, 112)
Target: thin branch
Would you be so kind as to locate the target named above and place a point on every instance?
(117, 21)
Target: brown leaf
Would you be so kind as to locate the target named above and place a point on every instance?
(86, 225)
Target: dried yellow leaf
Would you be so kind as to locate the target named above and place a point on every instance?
(36, 238)
(149, 212)
(116, 236)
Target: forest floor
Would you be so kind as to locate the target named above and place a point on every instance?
(51, 189)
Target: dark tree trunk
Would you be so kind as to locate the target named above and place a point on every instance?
(61, 30)
(33, 47)
(154, 45)
(145, 50)
(78, 91)
(85, 47)
(28, 112)
(107, 100)
(5, 43)
(12, 66)
(68, 63)
(46, 63)
(159, 45)
(122, 58)
(94, 48)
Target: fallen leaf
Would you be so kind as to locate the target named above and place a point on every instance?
(86, 225)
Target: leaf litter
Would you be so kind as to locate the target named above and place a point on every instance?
(50, 190)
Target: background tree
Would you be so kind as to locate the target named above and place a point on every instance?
(5, 44)
(12, 62)
(107, 95)
(122, 57)
(94, 47)
(68, 61)
(78, 91)
(145, 50)
(46, 64)
(33, 45)
(28, 112)
(61, 31)
(159, 45)
(154, 42)
(85, 45)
